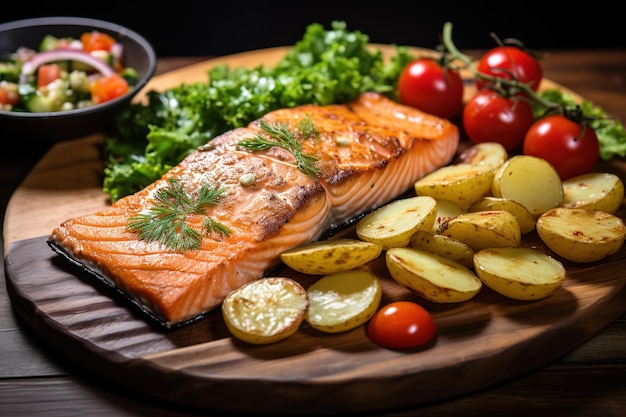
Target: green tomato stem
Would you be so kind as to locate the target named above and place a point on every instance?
(512, 85)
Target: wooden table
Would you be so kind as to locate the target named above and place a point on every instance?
(589, 381)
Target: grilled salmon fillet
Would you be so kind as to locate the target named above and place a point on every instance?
(366, 152)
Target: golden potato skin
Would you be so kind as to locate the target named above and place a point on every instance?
(343, 301)
(594, 191)
(393, 224)
(484, 229)
(432, 277)
(330, 256)
(519, 273)
(461, 183)
(524, 217)
(581, 235)
(444, 246)
(282, 301)
(445, 211)
(492, 154)
(531, 181)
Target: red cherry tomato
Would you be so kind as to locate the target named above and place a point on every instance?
(510, 62)
(427, 86)
(490, 117)
(570, 148)
(401, 324)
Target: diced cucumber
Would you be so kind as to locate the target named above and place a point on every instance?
(131, 76)
(79, 82)
(48, 43)
(54, 101)
(40, 104)
(9, 71)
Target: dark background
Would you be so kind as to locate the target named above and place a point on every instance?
(206, 28)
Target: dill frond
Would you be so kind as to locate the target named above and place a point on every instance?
(279, 135)
(165, 221)
(307, 128)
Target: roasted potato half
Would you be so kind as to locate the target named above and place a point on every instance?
(432, 277)
(491, 154)
(519, 273)
(531, 181)
(393, 224)
(594, 191)
(266, 310)
(581, 235)
(485, 229)
(444, 246)
(460, 183)
(445, 211)
(330, 256)
(525, 219)
(342, 301)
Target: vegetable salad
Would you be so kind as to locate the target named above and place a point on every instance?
(64, 74)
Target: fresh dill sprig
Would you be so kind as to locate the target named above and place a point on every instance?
(282, 137)
(307, 129)
(165, 221)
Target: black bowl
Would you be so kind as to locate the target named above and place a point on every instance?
(138, 53)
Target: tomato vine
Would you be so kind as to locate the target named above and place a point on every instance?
(607, 131)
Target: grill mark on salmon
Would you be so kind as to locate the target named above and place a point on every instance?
(370, 151)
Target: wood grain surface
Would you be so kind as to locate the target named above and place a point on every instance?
(480, 342)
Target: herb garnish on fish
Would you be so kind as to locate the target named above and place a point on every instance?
(281, 136)
(165, 221)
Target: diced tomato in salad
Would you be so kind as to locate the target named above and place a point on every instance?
(87, 71)
(8, 94)
(47, 73)
(96, 41)
(108, 88)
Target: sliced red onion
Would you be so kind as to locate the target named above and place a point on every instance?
(117, 49)
(45, 57)
(23, 54)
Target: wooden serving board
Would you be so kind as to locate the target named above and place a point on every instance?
(482, 342)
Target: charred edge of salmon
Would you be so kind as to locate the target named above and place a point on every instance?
(109, 288)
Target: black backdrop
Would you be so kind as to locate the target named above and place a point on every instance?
(207, 28)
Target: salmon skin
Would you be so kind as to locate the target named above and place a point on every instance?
(366, 153)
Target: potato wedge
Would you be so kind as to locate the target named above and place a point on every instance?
(492, 154)
(393, 224)
(519, 273)
(432, 277)
(581, 235)
(525, 219)
(460, 183)
(444, 246)
(594, 191)
(330, 256)
(342, 301)
(266, 310)
(531, 181)
(445, 211)
(485, 229)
